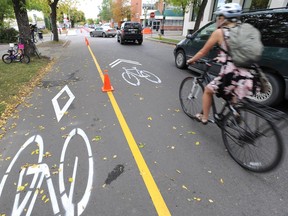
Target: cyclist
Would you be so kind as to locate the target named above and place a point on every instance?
(232, 83)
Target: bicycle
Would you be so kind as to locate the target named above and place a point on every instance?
(16, 53)
(36, 173)
(249, 130)
(132, 77)
(35, 49)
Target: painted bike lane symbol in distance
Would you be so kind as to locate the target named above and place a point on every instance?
(133, 74)
(41, 172)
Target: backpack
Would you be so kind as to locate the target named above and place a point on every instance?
(244, 45)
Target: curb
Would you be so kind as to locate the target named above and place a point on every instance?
(161, 41)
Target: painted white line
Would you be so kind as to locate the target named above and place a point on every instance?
(60, 112)
(118, 61)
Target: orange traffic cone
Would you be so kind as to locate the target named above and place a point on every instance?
(87, 42)
(107, 86)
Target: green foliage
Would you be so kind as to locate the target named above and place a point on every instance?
(105, 10)
(6, 11)
(8, 35)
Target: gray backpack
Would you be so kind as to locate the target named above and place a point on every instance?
(244, 45)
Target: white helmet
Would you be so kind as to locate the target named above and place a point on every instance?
(229, 10)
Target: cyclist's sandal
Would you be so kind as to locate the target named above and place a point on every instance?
(200, 118)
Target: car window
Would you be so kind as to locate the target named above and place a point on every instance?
(273, 27)
(205, 33)
(133, 26)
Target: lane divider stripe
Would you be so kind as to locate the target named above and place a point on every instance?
(151, 186)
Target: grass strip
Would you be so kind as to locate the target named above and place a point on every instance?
(17, 81)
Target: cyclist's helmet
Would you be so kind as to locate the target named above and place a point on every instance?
(229, 10)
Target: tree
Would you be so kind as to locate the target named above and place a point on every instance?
(6, 11)
(20, 11)
(53, 16)
(121, 10)
(198, 6)
(200, 15)
(105, 11)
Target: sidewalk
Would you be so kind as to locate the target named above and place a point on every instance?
(174, 35)
(47, 48)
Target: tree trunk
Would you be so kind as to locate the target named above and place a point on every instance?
(20, 11)
(53, 15)
(200, 15)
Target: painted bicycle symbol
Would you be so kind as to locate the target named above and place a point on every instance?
(40, 171)
(132, 76)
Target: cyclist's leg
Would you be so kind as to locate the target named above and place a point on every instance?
(190, 95)
(252, 140)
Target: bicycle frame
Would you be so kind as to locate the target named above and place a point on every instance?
(217, 116)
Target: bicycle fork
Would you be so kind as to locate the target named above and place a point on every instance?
(195, 89)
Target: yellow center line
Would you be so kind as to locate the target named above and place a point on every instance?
(151, 186)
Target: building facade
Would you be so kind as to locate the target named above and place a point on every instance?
(156, 14)
(190, 17)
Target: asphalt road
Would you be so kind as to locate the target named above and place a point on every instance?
(74, 149)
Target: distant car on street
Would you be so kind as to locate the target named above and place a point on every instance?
(103, 31)
(130, 31)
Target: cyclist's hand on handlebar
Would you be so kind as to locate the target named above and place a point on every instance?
(188, 62)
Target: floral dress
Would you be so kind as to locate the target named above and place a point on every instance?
(232, 81)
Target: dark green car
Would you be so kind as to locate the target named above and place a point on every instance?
(273, 25)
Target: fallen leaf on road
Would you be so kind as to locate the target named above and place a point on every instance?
(96, 138)
(184, 187)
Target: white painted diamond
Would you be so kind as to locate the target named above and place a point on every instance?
(60, 112)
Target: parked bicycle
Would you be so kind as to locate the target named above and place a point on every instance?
(35, 49)
(250, 131)
(16, 53)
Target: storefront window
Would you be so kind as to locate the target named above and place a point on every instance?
(255, 4)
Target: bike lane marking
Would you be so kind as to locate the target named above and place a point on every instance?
(148, 179)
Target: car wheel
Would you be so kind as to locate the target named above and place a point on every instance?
(140, 42)
(103, 35)
(121, 40)
(180, 59)
(91, 34)
(275, 95)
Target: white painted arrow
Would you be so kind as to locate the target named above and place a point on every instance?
(118, 61)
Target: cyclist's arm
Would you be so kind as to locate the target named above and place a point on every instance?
(216, 37)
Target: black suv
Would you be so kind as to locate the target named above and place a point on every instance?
(130, 31)
(273, 25)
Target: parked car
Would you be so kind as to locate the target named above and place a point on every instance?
(130, 31)
(103, 31)
(272, 23)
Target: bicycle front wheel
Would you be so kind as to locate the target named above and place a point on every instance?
(190, 95)
(6, 59)
(251, 140)
(25, 58)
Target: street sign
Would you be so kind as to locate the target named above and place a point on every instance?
(152, 15)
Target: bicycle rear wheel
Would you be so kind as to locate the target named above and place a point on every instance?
(190, 95)
(251, 140)
(6, 59)
(25, 58)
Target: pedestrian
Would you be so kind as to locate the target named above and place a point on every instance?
(233, 82)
